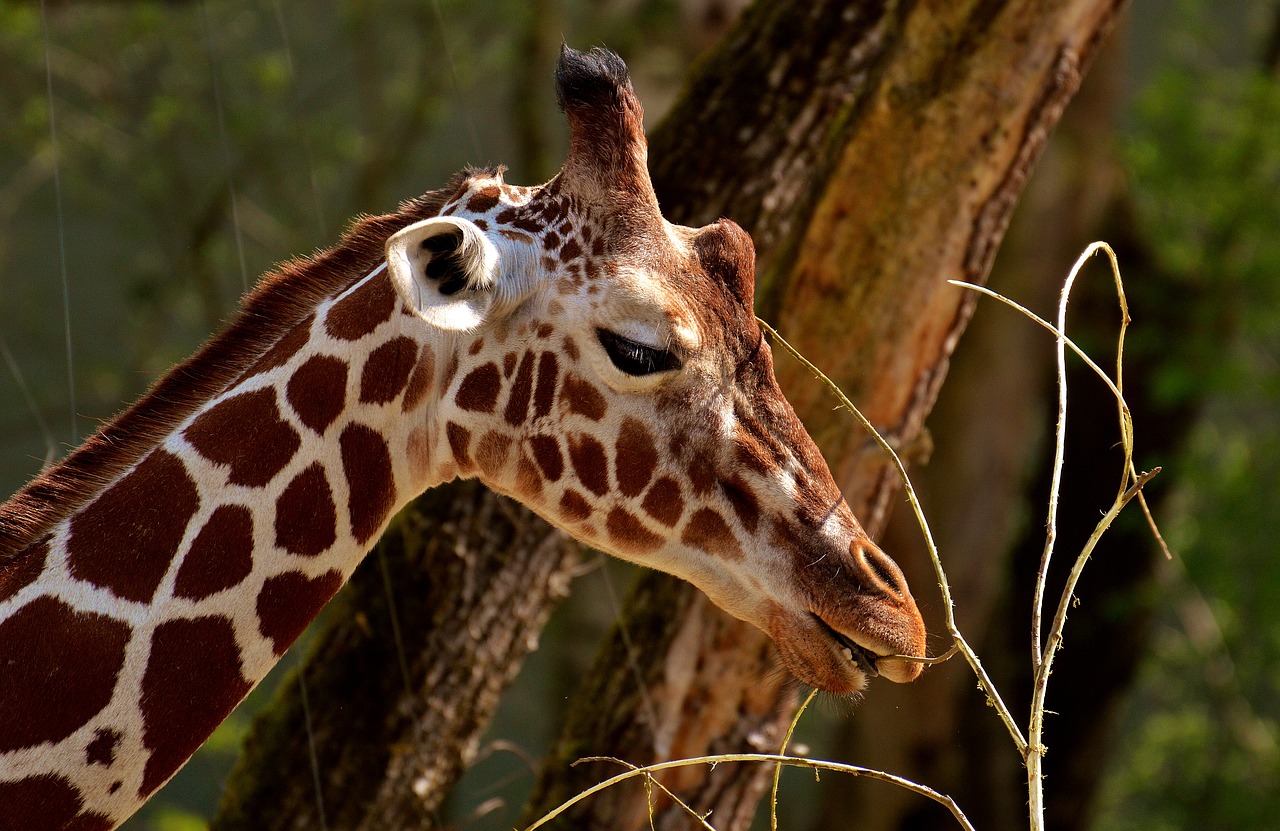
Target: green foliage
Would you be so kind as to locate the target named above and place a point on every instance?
(175, 820)
(1203, 743)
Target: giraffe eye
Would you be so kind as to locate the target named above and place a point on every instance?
(635, 358)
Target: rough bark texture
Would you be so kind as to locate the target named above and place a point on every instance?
(469, 577)
(982, 489)
(873, 153)
(985, 490)
(874, 150)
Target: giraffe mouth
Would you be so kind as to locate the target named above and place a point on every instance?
(853, 652)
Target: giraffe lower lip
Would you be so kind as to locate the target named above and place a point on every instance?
(860, 655)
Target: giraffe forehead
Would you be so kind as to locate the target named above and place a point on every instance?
(484, 196)
(636, 302)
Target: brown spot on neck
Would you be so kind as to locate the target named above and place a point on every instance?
(366, 461)
(102, 750)
(192, 682)
(544, 393)
(317, 391)
(420, 381)
(247, 434)
(517, 409)
(306, 519)
(126, 539)
(479, 389)
(289, 601)
(386, 372)
(221, 555)
(363, 310)
(69, 662)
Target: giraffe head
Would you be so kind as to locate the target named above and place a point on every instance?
(604, 367)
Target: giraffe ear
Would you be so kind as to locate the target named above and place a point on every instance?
(445, 270)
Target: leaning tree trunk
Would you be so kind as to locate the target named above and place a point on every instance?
(874, 151)
(985, 490)
(863, 199)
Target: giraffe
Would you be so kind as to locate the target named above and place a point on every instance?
(563, 343)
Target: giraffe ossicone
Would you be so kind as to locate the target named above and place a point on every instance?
(563, 343)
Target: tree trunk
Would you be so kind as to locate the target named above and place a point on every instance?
(874, 151)
(858, 229)
(992, 427)
(987, 488)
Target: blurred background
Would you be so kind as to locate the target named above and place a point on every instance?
(155, 158)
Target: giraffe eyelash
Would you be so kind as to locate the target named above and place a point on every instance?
(635, 359)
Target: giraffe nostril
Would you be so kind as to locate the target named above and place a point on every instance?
(878, 566)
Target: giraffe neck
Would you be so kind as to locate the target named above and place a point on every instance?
(131, 627)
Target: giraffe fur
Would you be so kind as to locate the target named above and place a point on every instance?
(563, 343)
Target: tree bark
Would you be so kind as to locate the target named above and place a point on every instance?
(983, 490)
(987, 487)
(872, 154)
(873, 150)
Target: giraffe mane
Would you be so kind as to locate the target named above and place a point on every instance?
(282, 298)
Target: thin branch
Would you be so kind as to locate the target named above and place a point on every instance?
(794, 761)
(777, 769)
(649, 783)
(1035, 752)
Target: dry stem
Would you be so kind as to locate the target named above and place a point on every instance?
(1131, 484)
(794, 761)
